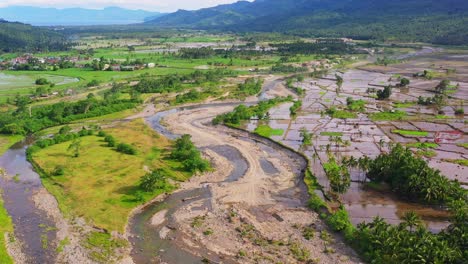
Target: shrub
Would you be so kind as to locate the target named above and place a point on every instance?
(339, 221)
(153, 180)
(111, 142)
(42, 81)
(58, 171)
(126, 149)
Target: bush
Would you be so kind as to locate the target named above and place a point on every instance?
(126, 149)
(186, 152)
(110, 141)
(316, 203)
(385, 93)
(339, 221)
(93, 83)
(42, 81)
(152, 181)
(460, 111)
(58, 171)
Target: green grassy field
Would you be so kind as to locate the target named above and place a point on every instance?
(101, 185)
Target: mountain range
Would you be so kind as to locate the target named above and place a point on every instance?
(75, 16)
(437, 21)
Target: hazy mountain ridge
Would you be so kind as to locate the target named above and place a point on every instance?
(413, 20)
(74, 16)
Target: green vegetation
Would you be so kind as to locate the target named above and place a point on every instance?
(103, 246)
(355, 105)
(267, 131)
(29, 120)
(413, 133)
(405, 104)
(399, 169)
(243, 113)
(423, 145)
(6, 226)
(295, 108)
(385, 93)
(185, 151)
(289, 83)
(22, 37)
(388, 116)
(7, 141)
(177, 83)
(341, 114)
(103, 185)
(339, 221)
(400, 20)
(426, 153)
(379, 242)
(462, 162)
(410, 241)
(463, 145)
(248, 88)
(306, 137)
(331, 134)
(338, 175)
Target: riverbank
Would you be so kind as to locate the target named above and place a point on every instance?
(6, 224)
(6, 233)
(262, 215)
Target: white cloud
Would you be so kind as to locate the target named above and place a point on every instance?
(154, 5)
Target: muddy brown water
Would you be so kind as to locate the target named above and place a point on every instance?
(33, 227)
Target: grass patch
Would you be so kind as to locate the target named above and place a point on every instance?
(7, 141)
(426, 153)
(442, 117)
(388, 116)
(412, 133)
(403, 104)
(103, 246)
(62, 244)
(463, 145)
(423, 145)
(6, 226)
(331, 134)
(462, 162)
(102, 185)
(267, 131)
(341, 114)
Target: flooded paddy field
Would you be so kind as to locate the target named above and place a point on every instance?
(367, 134)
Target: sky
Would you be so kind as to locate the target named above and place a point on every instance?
(152, 5)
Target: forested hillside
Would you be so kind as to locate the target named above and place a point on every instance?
(411, 20)
(22, 37)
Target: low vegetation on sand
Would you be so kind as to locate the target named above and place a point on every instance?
(6, 226)
(102, 184)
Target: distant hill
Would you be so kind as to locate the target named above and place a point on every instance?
(74, 16)
(26, 38)
(438, 21)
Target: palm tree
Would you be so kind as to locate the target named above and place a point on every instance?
(411, 219)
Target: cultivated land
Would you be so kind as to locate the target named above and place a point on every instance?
(254, 204)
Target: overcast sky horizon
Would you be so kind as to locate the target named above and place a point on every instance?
(151, 5)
